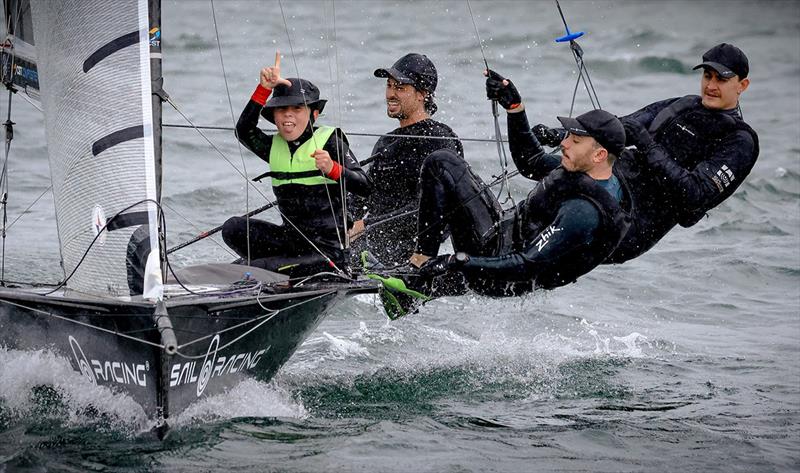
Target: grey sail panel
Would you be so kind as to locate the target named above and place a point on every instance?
(94, 71)
(18, 66)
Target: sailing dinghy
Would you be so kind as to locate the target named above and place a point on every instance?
(95, 69)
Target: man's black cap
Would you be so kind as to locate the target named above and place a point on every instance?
(604, 127)
(415, 69)
(727, 60)
(301, 92)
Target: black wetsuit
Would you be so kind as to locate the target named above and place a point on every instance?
(390, 210)
(316, 210)
(701, 156)
(565, 227)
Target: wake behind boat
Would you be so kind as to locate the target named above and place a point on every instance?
(96, 74)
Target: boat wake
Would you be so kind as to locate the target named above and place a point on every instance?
(40, 385)
(250, 398)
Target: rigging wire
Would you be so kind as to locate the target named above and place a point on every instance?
(238, 144)
(339, 149)
(224, 247)
(313, 137)
(9, 127)
(362, 134)
(583, 71)
(49, 188)
(270, 201)
(501, 152)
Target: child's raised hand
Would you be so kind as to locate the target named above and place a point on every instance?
(271, 76)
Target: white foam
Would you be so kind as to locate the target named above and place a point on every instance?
(342, 348)
(250, 398)
(22, 371)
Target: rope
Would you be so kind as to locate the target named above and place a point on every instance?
(263, 319)
(84, 324)
(266, 318)
(368, 135)
(238, 144)
(314, 138)
(285, 218)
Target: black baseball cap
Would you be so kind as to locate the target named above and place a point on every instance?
(301, 92)
(727, 60)
(415, 69)
(604, 127)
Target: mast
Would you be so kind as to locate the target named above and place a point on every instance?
(159, 96)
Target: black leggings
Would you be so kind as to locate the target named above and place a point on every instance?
(454, 198)
(278, 248)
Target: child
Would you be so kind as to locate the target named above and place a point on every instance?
(308, 165)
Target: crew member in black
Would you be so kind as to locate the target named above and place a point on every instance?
(692, 152)
(568, 224)
(307, 165)
(389, 213)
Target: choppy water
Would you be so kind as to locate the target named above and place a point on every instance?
(686, 359)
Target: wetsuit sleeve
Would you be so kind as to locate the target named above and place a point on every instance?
(574, 226)
(355, 178)
(712, 180)
(249, 134)
(646, 115)
(526, 151)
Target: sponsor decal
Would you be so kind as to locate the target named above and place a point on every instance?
(108, 371)
(99, 223)
(26, 73)
(723, 178)
(685, 129)
(544, 237)
(155, 37)
(213, 365)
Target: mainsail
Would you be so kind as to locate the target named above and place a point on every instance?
(94, 70)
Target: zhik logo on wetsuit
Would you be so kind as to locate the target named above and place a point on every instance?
(544, 237)
(108, 371)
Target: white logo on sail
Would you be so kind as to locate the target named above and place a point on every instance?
(99, 223)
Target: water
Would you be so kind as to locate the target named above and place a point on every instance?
(685, 359)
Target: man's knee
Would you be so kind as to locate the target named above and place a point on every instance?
(232, 228)
(444, 161)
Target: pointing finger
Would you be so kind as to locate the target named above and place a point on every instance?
(277, 59)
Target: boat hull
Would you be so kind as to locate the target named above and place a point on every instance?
(220, 341)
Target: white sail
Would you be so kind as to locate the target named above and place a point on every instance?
(94, 72)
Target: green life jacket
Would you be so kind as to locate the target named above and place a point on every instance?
(300, 167)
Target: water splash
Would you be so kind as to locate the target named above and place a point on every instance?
(44, 383)
(250, 398)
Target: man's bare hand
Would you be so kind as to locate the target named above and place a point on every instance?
(357, 230)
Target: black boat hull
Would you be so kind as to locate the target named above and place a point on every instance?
(220, 341)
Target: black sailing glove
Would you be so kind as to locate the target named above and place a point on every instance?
(441, 264)
(436, 266)
(549, 136)
(637, 135)
(505, 94)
